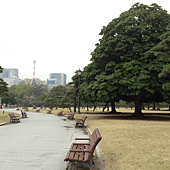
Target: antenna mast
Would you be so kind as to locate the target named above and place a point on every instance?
(33, 80)
(34, 62)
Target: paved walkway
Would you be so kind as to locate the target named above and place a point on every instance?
(39, 142)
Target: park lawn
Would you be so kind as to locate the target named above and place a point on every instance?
(132, 144)
(5, 117)
(128, 143)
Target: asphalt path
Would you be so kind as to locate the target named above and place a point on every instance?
(39, 142)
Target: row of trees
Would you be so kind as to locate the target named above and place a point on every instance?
(131, 61)
(29, 93)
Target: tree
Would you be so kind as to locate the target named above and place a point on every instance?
(162, 52)
(55, 96)
(120, 56)
(25, 94)
(3, 85)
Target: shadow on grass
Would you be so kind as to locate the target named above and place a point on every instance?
(128, 116)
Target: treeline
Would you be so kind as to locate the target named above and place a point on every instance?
(131, 62)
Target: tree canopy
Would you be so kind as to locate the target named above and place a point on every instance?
(121, 66)
(3, 86)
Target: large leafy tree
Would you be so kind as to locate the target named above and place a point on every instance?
(162, 53)
(3, 86)
(54, 97)
(25, 94)
(120, 56)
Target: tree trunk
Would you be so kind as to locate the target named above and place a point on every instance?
(113, 106)
(51, 106)
(148, 106)
(153, 105)
(74, 106)
(138, 105)
(157, 106)
(87, 107)
(94, 107)
(169, 106)
(105, 107)
(143, 107)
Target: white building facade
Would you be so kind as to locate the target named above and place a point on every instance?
(56, 79)
(10, 76)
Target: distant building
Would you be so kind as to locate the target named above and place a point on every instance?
(56, 79)
(7, 73)
(10, 76)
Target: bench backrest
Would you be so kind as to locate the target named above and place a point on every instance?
(84, 118)
(12, 115)
(94, 140)
(23, 113)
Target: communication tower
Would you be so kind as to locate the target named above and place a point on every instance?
(33, 80)
(34, 62)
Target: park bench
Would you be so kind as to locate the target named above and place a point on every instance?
(60, 113)
(71, 116)
(38, 110)
(82, 153)
(81, 121)
(24, 114)
(49, 112)
(13, 118)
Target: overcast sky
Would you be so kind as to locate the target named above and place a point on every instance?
(58, 34)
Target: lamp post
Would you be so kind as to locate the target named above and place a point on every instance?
(79, 74)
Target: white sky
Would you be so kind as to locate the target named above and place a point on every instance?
(58, 34)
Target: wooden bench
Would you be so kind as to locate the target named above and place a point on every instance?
(49, 112)
(60, 113)
(81, 121)
(24, 114)
(71, 116)
(13, 118)
(82, 153)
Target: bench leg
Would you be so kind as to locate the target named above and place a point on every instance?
(90, 165)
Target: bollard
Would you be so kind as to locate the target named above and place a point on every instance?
(3, 111)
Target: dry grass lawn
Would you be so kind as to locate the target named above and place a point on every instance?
(132, 144)
(5, 117)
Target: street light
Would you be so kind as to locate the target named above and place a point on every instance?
(79, 74)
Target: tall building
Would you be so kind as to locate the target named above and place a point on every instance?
(7, 73)
(10, 76)
(56, 79)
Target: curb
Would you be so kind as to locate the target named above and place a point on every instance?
(4, 123)
(98, 152)
(8, 122)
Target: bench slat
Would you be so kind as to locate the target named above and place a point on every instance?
(72, 154)
(76, 157)
(87, 155)
(81, 154)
